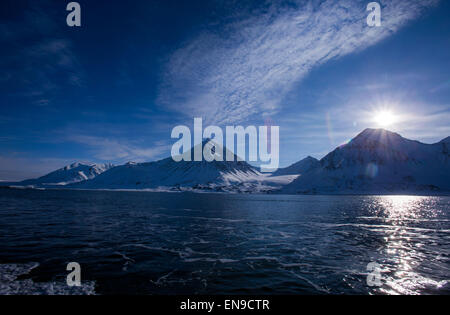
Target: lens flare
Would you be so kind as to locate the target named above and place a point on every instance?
(385, 118)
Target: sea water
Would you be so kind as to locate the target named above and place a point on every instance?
(185, 243)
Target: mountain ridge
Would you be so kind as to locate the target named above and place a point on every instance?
(299, 167)
(166, 174)
(69, 174)
(374, 161)
(378, 161)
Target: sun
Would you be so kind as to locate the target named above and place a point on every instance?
(385, 118)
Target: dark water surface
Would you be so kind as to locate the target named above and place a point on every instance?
(180, 243)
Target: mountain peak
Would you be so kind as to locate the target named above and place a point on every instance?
(300, 167)
(86, 165)
(378, 161)
(371, 132)
(310, 158)
(377, 135)
(218, 147)
(77, 164)
(446, 140)
(73, 173)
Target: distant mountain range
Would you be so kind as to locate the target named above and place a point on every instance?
(163, 175)
(376, 161)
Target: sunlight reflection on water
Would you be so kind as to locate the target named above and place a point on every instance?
(403, 241)
(159, 243)
(407, 207)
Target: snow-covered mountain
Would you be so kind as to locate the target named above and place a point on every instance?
(379, 161)
(74, 173)
(376, 161)
(166, 174)
(298, 168)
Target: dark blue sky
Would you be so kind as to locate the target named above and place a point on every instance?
(113, 89)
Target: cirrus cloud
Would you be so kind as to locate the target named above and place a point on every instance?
(249, 66)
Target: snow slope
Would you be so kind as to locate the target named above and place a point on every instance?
(299, 167)
(166, 174)
(379, 161)
(376, 161)
(76, 172)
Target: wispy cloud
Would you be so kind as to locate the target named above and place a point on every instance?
(112, 149)
(247, 68)
(18, 166)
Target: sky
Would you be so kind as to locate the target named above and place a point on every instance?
(113, 89)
